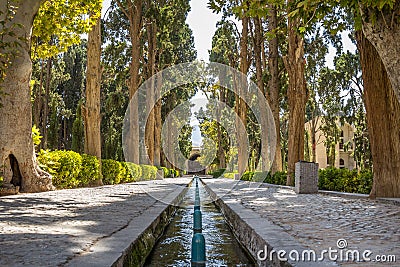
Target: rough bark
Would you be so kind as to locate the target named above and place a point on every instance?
(91, 109)
(240, 103)
(258, 43)
(274, 85)
(17, 157)
(221, 151)
(150, 124)
(37, 105)
(133, 11)
(297, 96)
(45, 114)
(157, 123)
(382, 29)
(383, 117)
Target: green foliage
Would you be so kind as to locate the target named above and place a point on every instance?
(36, 137)
(1, 181)
(64, 166)
(133, 172)
(229, 175)
(344, 180)
(247, 176)
(78, 131)
(59, 24)
(90, 170)
(218, 173)
(166, 172)
(113, 171)
(148, 172)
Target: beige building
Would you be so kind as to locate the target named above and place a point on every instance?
(343, 158)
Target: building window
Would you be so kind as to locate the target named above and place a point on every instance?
(341, 162)
(341, 134)
(341, 143)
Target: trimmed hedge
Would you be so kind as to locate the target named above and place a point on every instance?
(148, 172)
(218, 173)
(344, 180)
(70, 169)
(90, 170)
(133, 172)
(113, 171)
(64, 166)
(331, 179)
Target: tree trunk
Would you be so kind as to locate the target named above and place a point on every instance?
(91, 109)
(382, 29)
(45, 115)
(258, 43)
(157, 122)
(383, 117)
(17, 157)
(133, 12)
(297, 96)
(37, 105)
(149, 133)
(221, 152)
(274, 85)
(241, 105)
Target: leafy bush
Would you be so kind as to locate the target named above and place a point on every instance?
(279, 178)
(344, 180)
(166, 172)
(247, 176)
(1, 181)
(218, 173)
(90, 170)
(64, 166)
(148, 172)
(133, 172)
(113, 171)
(229, 175)
(259, 176)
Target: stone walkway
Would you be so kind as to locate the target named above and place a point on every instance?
(63, 227)
(318, 221)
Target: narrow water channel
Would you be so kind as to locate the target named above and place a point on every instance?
(174, 247)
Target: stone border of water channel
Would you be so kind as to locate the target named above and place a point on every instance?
(254, 233)
(132, 245)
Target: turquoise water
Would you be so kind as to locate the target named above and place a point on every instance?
(174, 247)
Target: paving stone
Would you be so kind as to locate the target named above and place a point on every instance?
(317, 221)
(54, 228)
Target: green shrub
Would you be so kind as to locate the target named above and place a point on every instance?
(280, 178)
(344, 180)
(148, 172)
(365, 178)
(64, 166)
(230, 175)
(1, 181)
(113, 171)
(90, 170)
(218, 173)
(166, 172)
(247, 176)
(133, 172)
(259, 176)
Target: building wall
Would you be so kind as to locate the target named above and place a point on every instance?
(320, 150)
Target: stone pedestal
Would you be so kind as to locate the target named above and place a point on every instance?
(306, 177)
